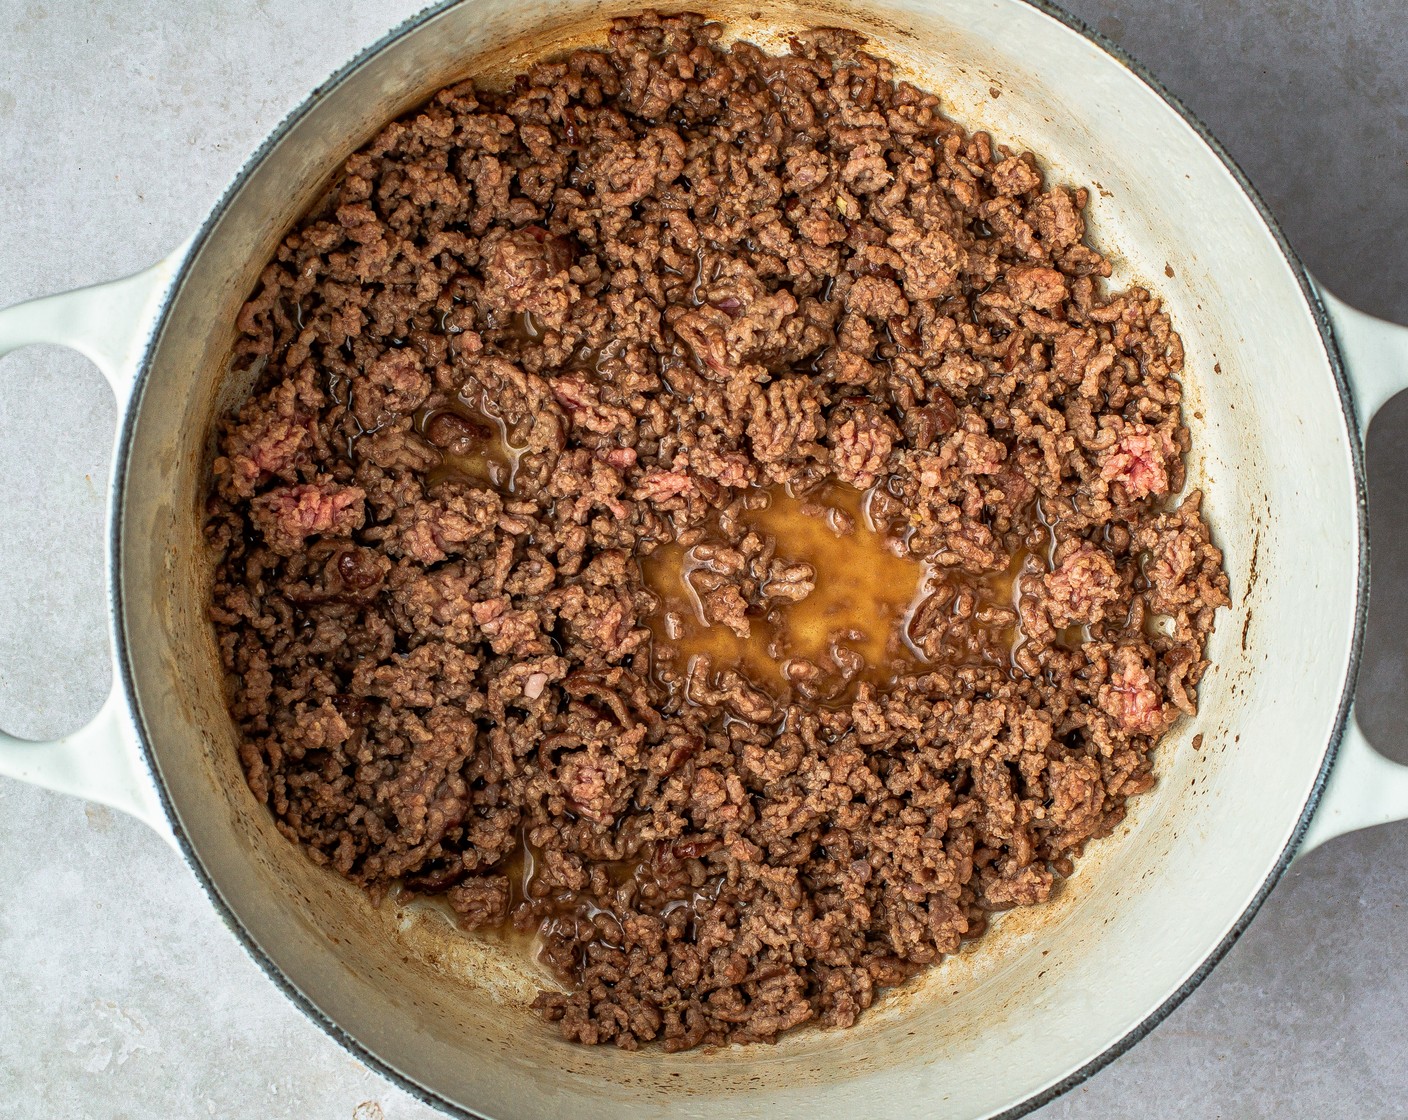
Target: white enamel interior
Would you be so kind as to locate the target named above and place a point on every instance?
(1051, 988)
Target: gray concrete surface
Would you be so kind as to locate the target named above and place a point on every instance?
(123, 996)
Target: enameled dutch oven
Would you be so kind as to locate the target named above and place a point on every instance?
(1281, 380)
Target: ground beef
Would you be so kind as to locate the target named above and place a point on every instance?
(532, 337)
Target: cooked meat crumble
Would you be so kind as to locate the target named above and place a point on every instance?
(706, 508)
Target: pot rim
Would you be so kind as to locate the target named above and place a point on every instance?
(1096, 1063)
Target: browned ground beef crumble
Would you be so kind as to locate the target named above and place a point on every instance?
(531, 336)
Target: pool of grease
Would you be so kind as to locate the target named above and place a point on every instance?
(858, 624)
(472, 440)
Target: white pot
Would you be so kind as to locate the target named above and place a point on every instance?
(1281, 380)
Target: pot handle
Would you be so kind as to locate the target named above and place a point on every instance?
(1364, 788)
(110, 324)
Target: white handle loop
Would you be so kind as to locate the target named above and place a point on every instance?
(1375, 356)
(110, 324)
(1364, 788)
(102, 762)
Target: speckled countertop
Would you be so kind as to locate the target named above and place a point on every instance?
(124, 996)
